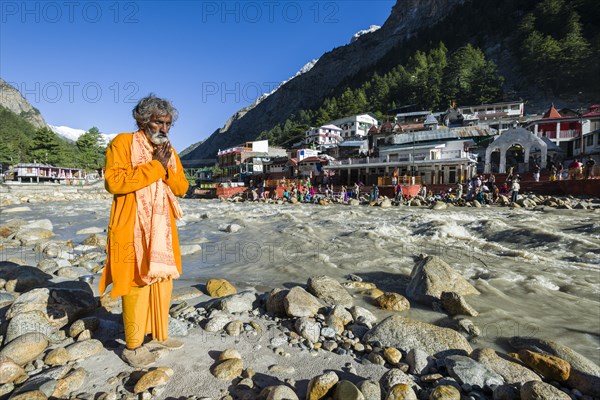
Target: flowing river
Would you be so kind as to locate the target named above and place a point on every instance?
(538, 271)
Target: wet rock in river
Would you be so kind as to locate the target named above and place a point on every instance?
(456, 304)
(393, 301)
(329, 290)
(432, 276)
(512, 372)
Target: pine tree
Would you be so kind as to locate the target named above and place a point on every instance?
(45, 147)
(90, 149)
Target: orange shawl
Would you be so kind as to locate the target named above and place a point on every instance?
(152, 237)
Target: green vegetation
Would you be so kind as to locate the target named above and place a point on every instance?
(553, 50)
(428, 81)
(21, 142)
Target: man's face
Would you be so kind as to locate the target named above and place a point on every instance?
(158, 128)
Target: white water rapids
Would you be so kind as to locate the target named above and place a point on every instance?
(538, 271)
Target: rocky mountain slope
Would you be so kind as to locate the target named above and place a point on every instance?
(11, 99)
(307, 90)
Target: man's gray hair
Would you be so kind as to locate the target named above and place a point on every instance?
(152, 105)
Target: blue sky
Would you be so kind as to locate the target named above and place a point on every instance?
(86, 63)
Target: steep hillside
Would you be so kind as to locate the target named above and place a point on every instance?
(512, 33)
(12, 100)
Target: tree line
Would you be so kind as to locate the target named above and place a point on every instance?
(21, 142)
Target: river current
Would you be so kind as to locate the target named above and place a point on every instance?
(538, 271)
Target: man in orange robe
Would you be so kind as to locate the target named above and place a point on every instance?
(144, 174)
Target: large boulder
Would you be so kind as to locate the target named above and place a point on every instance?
(34, 321)
(536, 390)
(512, 372)
(432, 276)
(468, 371)
(299, 303)
(407, 334)
(585, 374)
(329, 290)
(21, 278)
(25, 348)
(236, 303)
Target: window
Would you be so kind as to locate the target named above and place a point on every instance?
(590, 140)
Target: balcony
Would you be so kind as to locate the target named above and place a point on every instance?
(568, 134)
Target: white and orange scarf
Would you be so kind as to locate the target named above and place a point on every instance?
(152, 235)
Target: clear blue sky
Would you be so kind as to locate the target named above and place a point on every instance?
(86, 63)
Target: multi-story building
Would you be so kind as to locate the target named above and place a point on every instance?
(436, 155)
(246, 159)
(324, 135)
(576, 134)
(499, 116)
(355, 125)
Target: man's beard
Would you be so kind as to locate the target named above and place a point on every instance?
(157, 137)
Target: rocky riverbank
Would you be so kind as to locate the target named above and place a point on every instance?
(60, 339)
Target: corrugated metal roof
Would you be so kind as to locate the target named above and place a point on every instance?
(442, 134)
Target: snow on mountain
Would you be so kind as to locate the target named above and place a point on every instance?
(73, 134)
(358, 34)
(307, 67)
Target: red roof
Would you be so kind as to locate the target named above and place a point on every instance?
(594, 111)
(552, 113)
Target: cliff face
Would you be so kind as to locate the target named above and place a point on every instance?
(11, 99)
(309, 89)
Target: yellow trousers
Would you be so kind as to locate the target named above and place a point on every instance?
(146, 311)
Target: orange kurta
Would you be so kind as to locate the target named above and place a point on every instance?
(122, 180)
